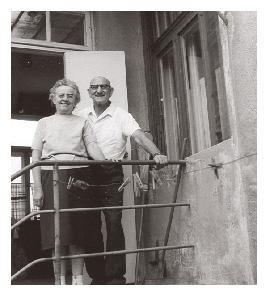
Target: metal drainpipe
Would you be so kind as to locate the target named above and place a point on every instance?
(57, 266)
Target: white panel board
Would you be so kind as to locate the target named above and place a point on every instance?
(22, 132)
(81, 67)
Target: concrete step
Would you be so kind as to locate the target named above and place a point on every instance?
(38, 281)
(164, 281)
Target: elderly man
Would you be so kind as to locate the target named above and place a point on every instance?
(112, 126)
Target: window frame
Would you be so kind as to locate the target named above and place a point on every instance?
(48, 45)
(32, 46)
(161, 89)
(174, 34)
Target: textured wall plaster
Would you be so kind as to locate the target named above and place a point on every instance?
(242, 38)
(216, 223)
(121, 30)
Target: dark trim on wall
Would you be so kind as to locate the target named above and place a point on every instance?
(155, 113)
(26, 117)
(21, 149)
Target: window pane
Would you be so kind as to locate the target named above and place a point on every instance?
(168, 88)
(28, 24)
(67, 27)
(196, 92)
(222, 127)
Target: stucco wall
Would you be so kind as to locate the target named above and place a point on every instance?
(242, 32)
(121, 30)
(221, 222)
(215, 223)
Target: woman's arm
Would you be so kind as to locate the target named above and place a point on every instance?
(90, 143)
(38, 192)
(94, 151)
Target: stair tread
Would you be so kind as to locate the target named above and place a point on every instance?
(165, 281)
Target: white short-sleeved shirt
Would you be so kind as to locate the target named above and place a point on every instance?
(112, 129)
(63, 137)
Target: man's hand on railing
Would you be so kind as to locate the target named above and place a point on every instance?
(38, 197)
(109, 166)
(161, 160)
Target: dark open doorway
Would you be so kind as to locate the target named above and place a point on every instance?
(32, 76)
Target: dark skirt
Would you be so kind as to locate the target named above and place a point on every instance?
(70, 223)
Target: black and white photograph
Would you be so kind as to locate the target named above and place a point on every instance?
(133, 147)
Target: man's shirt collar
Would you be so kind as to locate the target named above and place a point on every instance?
(109, 111)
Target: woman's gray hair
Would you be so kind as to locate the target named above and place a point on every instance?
(64, 82)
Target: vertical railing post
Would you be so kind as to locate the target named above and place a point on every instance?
(57, 263)
(166, 238)
(144, 193)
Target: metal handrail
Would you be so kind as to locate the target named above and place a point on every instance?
(57, 210)
(98, 254)
(30, 216)
(88, 162)
(36, 213)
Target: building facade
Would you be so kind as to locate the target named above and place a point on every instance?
(188, 75)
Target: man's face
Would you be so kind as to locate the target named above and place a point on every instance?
(100, 90)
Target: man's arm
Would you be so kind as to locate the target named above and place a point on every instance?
(142, 140)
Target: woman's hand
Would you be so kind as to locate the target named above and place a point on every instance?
(115, 159)
(38, 197)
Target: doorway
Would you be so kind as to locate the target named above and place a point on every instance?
(33, 73)
(32, 76)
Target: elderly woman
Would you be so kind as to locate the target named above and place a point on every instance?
(63, 136)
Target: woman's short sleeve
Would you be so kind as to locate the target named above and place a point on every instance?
(37, 141)
(88, 133)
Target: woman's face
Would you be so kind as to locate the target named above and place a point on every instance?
(64, 99)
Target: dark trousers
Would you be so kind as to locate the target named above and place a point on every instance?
(112, 267)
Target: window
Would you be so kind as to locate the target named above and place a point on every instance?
(28, 24)
(20, 157)
(189, 81)
(39, 41)
(18, 201)
(52, 26)
(67, 28)
(196, 90)
(169, 99)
